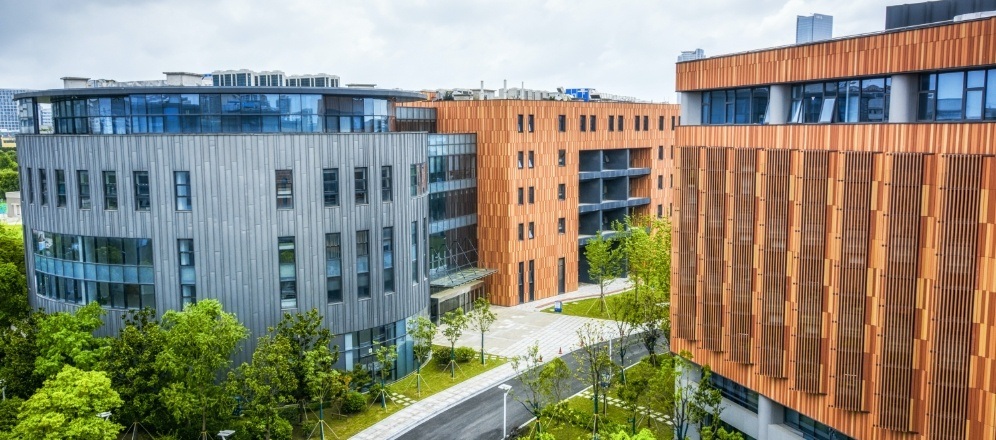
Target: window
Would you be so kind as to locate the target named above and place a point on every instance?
(561, 191)
(532, 195)
(532, 280)
(360, 185)
(142, 198)
(660, 123)
(363, 264)
(561, 276)
(531, 123)
(620, 119)
(532, 158)
(646, 123)
(333, 267)
(181, 185)
(561, 158)
(811, 429)
(413, 180)
(733, 106)
(735, 392)
(414, 251)
(562, 123)
(518, 125)
(660, 181)
(561, 225)
(330, 187)
(591, 123)
(532, 231)
(522, 282)
(660, 211)
(31, 187)
(520, 159)
(288, 273)
(185, 251)
(386, 187)
(636, 123)
(660, 152)
(60, 188)
(520, 195)
(387, 243)
(285, 189)
(83, 182)
(584, 123)
(953, 96)
(43, 184)
(612, 123)
(853, 100)
(672, 122)
(110, 190)
(522, 229)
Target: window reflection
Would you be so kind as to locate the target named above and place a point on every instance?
(734, 106)
(957, 96)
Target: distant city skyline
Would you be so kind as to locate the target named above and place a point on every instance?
(626, 50)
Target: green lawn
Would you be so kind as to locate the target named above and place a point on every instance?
(613, 413)
(435, 379)
(590, 308)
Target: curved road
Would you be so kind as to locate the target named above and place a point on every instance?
(480, 416)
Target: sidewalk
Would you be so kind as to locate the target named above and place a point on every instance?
(516, 329)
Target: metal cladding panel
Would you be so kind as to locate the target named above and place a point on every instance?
(234, 221)
(687, 243)
(742, 270)
(713, 241)
(774, 288)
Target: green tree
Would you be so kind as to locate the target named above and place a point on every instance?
(66, 408)
(12, 246)
(67, 339)
(131, 365)
(9, 181)
(305, 333)
(712, 433)
(542, 385)
(324, 381)
(634, 389)
(8, 160)
(604, 264)
(455, 322)
(481, 319)
(18, 351)
(686, 403)
(266, 382)
(200, 341)
(13, 294)
(644, 434)
(647, 247)
(594, 363)
(422, 331)
(386, 355)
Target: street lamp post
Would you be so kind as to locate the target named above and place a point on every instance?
(504, 408)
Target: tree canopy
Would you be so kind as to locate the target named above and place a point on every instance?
(66, 407)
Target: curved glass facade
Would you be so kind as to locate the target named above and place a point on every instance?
(115, 272)
(222, 113)
(358, 348)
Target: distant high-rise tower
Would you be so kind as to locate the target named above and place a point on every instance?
(689, 55)
(816, 27)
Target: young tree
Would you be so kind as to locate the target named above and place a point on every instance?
(634, 389)
(131, 366)
(200, 341)
(422, 331)
(481, 319)
(13, 294)
(324, 382)
(622, 320)
(67, 339)
(543, 385)
(266, 383)
(604, 264)
(386, 355)
(647, 247)
(684, 402)
(67, 407)
(12, 246)
(305, 332)
(455, 322)
(594, 363)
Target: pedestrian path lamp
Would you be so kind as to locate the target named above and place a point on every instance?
(504, 408)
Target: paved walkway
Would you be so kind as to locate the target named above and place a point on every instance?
(516, 329)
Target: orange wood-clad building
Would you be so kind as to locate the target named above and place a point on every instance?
(541, 173)
(835, 233)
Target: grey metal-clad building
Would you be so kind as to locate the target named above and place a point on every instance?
(246, 217)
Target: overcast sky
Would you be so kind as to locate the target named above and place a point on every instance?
(624, 47)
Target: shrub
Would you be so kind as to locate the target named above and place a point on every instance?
(441, 355)
(465, 354)
(253, 429)
(8, 413)
(354, 403)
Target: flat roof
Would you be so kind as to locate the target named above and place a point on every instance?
(47, 95)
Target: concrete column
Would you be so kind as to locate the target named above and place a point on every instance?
(903, 98)
(769, 412)
(691, 108)
(779, 104)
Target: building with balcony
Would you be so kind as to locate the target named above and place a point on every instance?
(269, 199)
(834, 234)
(549, 175)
